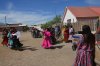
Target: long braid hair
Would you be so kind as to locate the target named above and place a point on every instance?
(88, 36)
(89, 39)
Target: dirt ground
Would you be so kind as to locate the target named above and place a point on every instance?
(98, 53)
(34, 55)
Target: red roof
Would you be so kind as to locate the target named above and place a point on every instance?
(85, 11)
(96, 10)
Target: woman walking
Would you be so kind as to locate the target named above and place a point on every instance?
(46, 41)
(66, 34)
(5, 38)
(85, 48)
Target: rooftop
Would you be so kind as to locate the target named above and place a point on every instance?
(85, 11)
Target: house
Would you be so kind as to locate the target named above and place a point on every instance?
(18, 26)
(80, 16)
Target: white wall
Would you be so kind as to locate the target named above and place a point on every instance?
(69, 15)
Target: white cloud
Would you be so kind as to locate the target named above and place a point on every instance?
(35, 17)
(26, 17)
(10, 5)
(93, 2)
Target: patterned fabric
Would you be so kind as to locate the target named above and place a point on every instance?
(10, 40)
(85, 54)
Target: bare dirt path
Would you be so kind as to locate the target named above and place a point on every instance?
(34, 55)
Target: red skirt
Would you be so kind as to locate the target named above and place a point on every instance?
(5, 41)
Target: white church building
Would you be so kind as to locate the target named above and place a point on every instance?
(79, 16)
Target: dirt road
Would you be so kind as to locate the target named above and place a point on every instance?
(34, 55)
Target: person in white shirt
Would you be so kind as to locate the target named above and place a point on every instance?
(18, 34)
(71, 32)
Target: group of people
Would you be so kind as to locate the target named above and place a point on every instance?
(85, 52)
(67, 33)
(53, 35)
(11, 38)
(35, 33)
(85, 47)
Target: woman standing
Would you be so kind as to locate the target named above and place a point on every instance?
(71, 33)
(10, 39)
(46, 41)
(53, 39)
(66, 34)
(85, 48)
(5, 38)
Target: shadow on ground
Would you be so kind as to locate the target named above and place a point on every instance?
(57, 46)
(27, 48)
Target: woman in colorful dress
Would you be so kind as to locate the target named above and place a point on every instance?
(62, 33)
(66, 34)
(46, 41)
(85, 48)
(10, 39)
(5, 38)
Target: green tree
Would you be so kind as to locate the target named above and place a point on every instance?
(55, 20)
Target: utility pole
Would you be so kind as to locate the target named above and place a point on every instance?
(5, 22)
